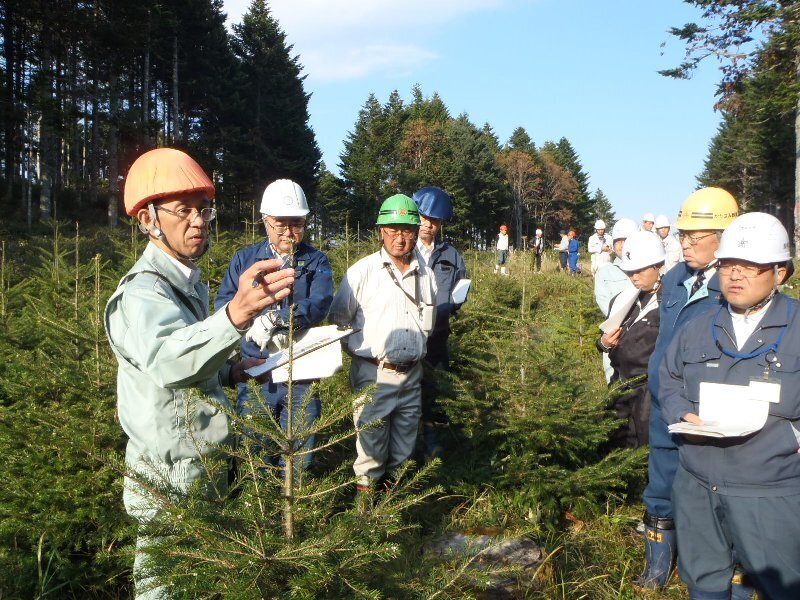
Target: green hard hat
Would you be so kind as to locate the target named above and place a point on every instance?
(398, 210)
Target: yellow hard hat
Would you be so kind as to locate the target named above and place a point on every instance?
(162, 173)
(707, 208)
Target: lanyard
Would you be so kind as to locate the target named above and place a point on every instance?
(771, 348)
(415, 298)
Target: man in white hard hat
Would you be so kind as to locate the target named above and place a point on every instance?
(671, 244)
(284, 209)
(737, 498)
(599, 246)
(611, 280)
(630, 345)
(648, 221)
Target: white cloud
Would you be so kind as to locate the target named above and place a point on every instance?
(340, 40)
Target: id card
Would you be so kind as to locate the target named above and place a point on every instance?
(765, 391)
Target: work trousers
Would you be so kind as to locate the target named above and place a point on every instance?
(661, 467)
(763, 532)
(305, 411)
(394, 412)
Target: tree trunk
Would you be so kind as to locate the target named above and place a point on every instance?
(176, 131)
(113, 164)
(9, 125)
(146, 87)
(797, 160)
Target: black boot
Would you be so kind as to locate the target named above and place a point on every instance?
(660, 552)
(741, 588)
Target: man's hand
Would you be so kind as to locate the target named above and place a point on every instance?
(260, 286)
(611, 339)
(261, 331)
(693, 419)
(238, 374)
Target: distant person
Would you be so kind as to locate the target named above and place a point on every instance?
(436, 206)
(563, 250)
(537, 247)
(284, 210)
(648, 222)
(168, 346)
(737, 498)
(689, 289)
(389, 298)
(599, 246)
(574, 248)
(502, 250)
(629, 346)
(671, 244)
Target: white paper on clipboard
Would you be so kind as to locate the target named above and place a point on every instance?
(460, 291)
(619, 309)
(316, 344)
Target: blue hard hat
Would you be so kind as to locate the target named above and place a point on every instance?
(435, 203)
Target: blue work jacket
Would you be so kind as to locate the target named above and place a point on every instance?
(448, 268)
(312, 291)
(767, 462)
(676, 310)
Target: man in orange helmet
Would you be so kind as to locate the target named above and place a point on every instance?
(166, 343)
(502, 250)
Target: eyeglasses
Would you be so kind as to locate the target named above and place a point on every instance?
(190, 214)
(281, 228)
(693, 239)
(393, 232)
(746, 271)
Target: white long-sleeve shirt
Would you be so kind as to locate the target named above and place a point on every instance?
(391, 327)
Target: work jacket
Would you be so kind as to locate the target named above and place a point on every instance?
(448, 268)
(312, 291)
(675, 310)
(171, 355)
(767, 462)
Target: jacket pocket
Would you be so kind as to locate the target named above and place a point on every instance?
(701, 363)
(786, 369)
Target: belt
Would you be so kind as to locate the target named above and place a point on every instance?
(396, 367)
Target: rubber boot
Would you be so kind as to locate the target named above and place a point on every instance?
(503, 271)
(698, 595)
(740, 585)
(660, 552)
(430, 439)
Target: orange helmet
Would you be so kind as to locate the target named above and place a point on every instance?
(162, 173)
(503, 228)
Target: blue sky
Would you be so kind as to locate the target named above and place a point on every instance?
(582, 69)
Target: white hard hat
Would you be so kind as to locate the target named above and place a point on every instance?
(538, 232)
(755, 237)
(649, 217)
(642, 249)
(599, 224)
(284, 198)
(662, 221)
(624, 228)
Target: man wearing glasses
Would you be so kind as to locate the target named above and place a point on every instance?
(166, 343)
(689, 289)
(284, 210)
(389, 298)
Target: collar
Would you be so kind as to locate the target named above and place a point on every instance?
(190, 274)
(413, 266)
(774, 315)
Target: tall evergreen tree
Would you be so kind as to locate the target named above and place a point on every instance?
(602, 208)
(276, 140)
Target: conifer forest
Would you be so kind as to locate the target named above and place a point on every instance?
(88, 86)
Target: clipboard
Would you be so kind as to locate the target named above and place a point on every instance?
(306, 343)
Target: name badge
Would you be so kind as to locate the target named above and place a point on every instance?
(765, 391)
